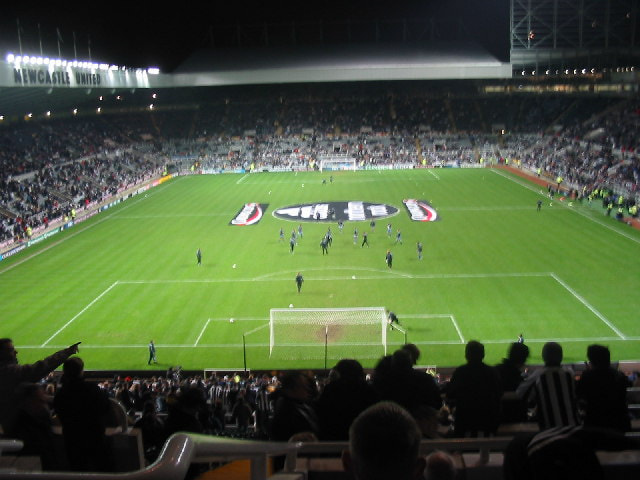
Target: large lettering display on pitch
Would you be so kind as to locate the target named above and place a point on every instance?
(353, 211)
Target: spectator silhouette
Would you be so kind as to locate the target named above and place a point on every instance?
(440, 466)
(514, 409)
(83, 410)
(33, 425)
(551, 390)
(12, 374)
(294, 411)
(345, 396)
(152, 428)
(396, 380)
(475, 392)
(384, 443)
(603, 391)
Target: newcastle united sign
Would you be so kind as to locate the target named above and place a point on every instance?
(353, 211)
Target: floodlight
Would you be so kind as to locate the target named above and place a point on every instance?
(153, 70)
(10, 57)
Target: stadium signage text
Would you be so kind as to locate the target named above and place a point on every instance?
(420, 211)
(35, 76)
(250, 214)
(352, 211)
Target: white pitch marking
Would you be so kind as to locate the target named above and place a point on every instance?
(588, 305)
(79, 313)
(430, 342)
(71, 235)
(455, 324)
(435, 175)
(629, 237)
(202, 332)
(245, 176)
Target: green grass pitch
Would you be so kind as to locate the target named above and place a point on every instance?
(493, 268)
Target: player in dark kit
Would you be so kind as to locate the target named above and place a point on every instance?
(292, 243)
(199, 257)
(389, 258)
(539, 204)
(152, 353)
(324, 243)
(393, 319)
(299, 281)
(365, 240)
(419, 249)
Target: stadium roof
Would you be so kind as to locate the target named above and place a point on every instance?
(334, 63)
(256, 66)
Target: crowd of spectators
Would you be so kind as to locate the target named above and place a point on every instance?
(301, 405)
(51, 167)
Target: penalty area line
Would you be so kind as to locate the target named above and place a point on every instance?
(588, 305)
(202, 332)
(79, 313)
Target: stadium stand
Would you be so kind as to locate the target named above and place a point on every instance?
(44, 178)
(168, 426)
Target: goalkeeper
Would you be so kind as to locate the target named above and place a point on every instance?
(393, 319)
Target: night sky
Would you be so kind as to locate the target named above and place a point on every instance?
(141, 34)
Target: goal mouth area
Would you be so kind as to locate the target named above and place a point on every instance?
(327, 327)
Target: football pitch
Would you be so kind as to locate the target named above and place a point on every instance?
(493, 267)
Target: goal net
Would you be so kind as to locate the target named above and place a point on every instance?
(311, 332)
(337, 162)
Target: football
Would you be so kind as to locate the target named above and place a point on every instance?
(231, 320)
(291, 305)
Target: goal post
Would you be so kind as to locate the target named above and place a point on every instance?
(337, 162)
(345, 330)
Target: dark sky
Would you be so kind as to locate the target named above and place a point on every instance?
(140, 33)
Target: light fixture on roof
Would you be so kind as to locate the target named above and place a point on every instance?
(153, 70)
